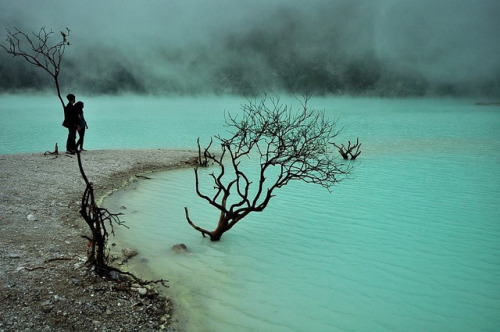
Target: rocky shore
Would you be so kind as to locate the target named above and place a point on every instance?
(44, 283)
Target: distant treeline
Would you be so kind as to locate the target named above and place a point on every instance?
(236, 76)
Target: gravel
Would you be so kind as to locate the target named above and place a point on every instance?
(44, 282)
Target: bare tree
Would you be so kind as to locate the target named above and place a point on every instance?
(96, 218)
(289, 146)
(351, 150)
(203, 160)
(99, 221)
(39, 50)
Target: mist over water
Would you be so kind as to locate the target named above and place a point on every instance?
(388, 48)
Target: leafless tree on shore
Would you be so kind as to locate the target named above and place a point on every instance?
(99, 220)
(203, 156)
(39, 50)
(96, 218)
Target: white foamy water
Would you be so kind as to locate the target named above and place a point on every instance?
(410, 243)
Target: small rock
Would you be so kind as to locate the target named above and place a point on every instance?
(129, 252)
(47, 307)
(180, 247)
(31, 217)
(114, 275)
(142, 291)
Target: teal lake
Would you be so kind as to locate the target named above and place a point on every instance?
(411, 242)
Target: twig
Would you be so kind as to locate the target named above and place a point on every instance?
(58, 259)
(34, 268)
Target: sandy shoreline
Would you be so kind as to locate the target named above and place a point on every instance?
(43, 283)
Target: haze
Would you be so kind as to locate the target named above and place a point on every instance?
(365, 47)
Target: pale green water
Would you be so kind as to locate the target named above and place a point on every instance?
(33, 123)
(410, 243)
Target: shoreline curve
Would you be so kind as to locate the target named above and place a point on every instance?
(43, 281)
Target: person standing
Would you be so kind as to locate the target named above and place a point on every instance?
(70, 122)
(82, 125)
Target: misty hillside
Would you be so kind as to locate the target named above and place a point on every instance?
(387, 48)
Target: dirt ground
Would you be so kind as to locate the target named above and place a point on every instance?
(44, 282)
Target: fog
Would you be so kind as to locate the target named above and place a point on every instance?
(364, 47)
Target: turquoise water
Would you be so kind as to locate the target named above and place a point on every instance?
(410, 243)
(33, 123)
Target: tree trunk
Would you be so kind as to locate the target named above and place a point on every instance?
(222, 227)
(226, 222)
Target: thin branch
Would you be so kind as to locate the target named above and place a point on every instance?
(202, 230)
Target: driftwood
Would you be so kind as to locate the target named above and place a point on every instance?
(55, 152)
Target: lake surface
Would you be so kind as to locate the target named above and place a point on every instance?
(410, 243)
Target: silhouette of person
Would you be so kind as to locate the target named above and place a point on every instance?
(70, 122)
(82, 125)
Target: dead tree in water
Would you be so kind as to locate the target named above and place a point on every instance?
(37, 49)
(289, 145)
(345, 152)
